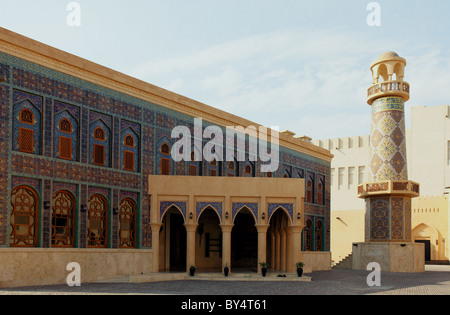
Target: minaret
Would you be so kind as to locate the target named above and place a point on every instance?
(388, 194)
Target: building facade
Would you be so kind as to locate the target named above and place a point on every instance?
(78, 144)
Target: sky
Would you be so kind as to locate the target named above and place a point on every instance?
(302, 66)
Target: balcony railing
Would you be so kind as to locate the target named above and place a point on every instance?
(400, 187)
(388, 87)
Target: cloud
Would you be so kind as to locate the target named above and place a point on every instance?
(312, 83)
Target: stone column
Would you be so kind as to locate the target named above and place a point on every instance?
(296, 232)
(272, 249)
(282, 250)
(191, 228)
(226, 245)
(262, 239)
(277, 250)
(155, 246)
(289, 250)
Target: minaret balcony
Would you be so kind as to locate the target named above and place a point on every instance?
(388, 88)
(391, 187)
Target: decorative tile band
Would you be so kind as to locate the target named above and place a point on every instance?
(388, 103)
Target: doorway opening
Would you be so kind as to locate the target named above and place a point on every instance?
(173, 241)
(244, 243)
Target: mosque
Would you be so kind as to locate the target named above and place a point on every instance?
(87, 175)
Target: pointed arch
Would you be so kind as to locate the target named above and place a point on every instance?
(24, 218)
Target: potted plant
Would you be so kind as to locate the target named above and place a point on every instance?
(226, 270)
(192, 271)
(264, 266)
(300, 268)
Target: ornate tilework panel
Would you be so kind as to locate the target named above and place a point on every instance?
(237, 206)
(289, 207)
(164, 205)
(4, 167)
(105, 192)
(73, 188)
(379, 219)
(397, 218)
(31, 182)
(129, 194)
(203, 205)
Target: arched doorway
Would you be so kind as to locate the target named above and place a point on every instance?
(277, 240)
(208, 242)
(244, 242)
(173, 241)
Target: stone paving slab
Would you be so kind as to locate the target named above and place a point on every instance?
(435, 281)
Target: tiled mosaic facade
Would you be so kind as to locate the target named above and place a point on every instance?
(388, 140)
(54, 96)
(389, 219)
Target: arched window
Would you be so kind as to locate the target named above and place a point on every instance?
(193, 167)
(127, 223)
(319, 236)
(63, 217)
(129, 141)
(165, 160)
(231, 169)
(321, 193)
(24, 217)
(99, 149)
(248, 170)
(165, 149)
(65, 126)
(307, 236)
(97, 222)
(213, 168)
(99, 134)
(309, 190)
(128, 155)
(26, 116)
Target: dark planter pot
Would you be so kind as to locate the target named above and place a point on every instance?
(299, 272)
(225, 271)
(263, 271)
(192, 271)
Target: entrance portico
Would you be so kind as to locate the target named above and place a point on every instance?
(238, 222)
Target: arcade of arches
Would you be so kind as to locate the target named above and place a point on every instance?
(212, 222)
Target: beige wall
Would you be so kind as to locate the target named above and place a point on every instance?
(45, 266)
(430, 221)
(347, 227)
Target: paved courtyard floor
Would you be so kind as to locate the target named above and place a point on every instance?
(435, 281)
